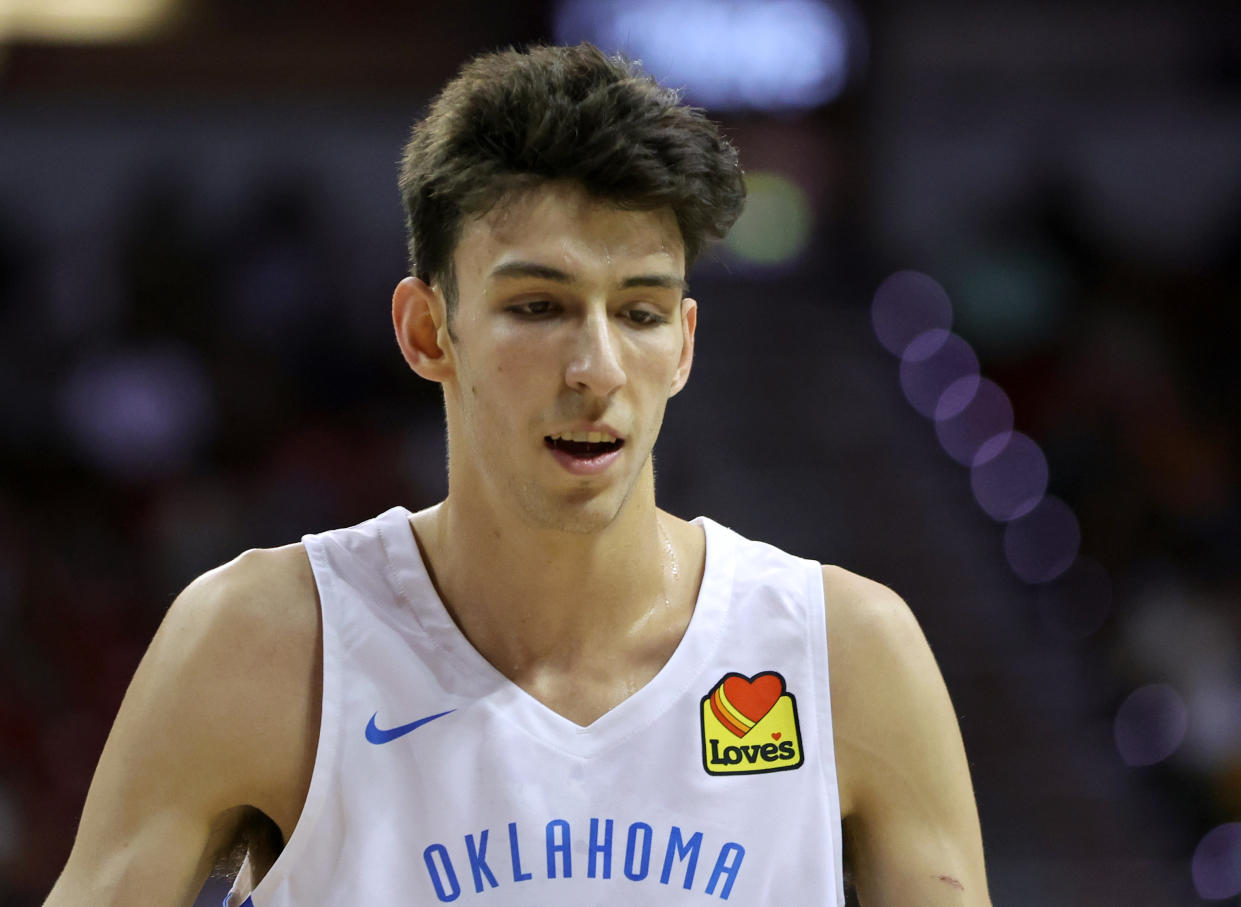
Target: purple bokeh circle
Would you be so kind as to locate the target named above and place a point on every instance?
(1217, 863)
(933, 362)
(956, 396)
(906, 305)
(1009, 476)
(970, 412)
(1042, 544)
(1150, 724)
(139, 412)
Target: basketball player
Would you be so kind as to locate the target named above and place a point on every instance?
(543, 690)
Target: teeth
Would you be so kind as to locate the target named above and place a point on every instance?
(584, 437)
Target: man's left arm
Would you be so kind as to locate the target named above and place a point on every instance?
(911, 824)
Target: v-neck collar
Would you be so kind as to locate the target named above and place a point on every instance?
(480, 679)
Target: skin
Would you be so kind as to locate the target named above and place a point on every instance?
(571, 313)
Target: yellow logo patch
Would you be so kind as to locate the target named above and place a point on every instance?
(749, 725)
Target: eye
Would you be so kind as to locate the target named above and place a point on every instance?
(534, 308)
(645, 317)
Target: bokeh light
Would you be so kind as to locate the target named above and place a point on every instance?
(1076, 604)
(740, 54)
(907, 305)
(971, 412)
(1217, 863)
(933, 362)
(1042, 544)
(138, 414)
(1150, 725)
(83, 20)
(956, 396)
(776, 223)
(1214, 702)
(1009, 476)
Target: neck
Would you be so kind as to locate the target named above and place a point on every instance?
(530, 598)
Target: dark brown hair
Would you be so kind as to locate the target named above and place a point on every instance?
(514, 119)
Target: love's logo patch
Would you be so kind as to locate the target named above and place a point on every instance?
(749, 725)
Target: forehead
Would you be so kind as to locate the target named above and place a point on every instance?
(564, 227)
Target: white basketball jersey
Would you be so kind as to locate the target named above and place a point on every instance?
(438, 780)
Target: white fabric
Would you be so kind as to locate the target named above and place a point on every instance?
(505, 802)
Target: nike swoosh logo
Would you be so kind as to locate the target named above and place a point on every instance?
(377, 735)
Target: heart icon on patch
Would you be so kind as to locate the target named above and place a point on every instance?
(749, 725)
(741, 702)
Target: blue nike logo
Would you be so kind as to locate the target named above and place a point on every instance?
(376, 735)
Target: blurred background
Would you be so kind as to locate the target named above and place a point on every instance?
(975, 336)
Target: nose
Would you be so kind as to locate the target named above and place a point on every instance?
(594, 364)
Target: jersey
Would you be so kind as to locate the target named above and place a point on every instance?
(438, 780)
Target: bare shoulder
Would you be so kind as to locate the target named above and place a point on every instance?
(221, 717)
(881, 665)
(261, 581)
(868, 625)
(911, 824)
(231, 680)
(248, 636)
(856, 604)
(257, 612)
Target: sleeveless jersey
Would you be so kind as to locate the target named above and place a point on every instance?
(438, 780)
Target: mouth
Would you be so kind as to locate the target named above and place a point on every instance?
(584, 445)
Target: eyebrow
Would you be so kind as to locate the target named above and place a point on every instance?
(518, 269)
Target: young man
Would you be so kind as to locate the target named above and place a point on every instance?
(543, 690)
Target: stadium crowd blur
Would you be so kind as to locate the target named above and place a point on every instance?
(180, 382)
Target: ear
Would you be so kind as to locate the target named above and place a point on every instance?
(418, 314)
(689, 323)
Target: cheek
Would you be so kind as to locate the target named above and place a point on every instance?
(657, 363)
(508, 382)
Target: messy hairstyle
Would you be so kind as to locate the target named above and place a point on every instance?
(512, 120)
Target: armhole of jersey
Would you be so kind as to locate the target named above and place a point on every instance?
(818, 619)
(325, 751)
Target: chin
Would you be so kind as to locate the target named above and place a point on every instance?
(583, 517)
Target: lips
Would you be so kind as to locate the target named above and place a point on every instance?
(584, 452)
(584, 444)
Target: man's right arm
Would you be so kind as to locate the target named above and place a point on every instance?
(222, 714)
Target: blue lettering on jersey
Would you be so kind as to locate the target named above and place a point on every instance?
(641, 840)
(726, 868)
(445, 893)
(518, 875)
(596, 849)
(561, 846)
(680, 849)
(638, 873)
(478, 861)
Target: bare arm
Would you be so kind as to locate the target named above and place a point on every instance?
(910, 819)
(222, 714)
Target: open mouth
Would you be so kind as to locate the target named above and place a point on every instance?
(584, 445)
